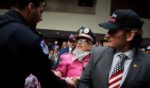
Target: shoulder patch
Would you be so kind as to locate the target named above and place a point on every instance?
(44, 47)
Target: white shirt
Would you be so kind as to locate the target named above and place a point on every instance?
(130, 54)
(70, 50)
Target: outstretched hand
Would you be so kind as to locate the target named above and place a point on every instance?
(72, 81)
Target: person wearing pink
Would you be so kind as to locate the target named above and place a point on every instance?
(70, 67)
(72, 64)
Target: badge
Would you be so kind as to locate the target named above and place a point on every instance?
(86, 30)
(135, 65)
(44, 47)
(80, 31)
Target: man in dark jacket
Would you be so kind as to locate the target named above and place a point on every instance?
(22, 50)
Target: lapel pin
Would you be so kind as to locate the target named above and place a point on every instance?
(135, 66)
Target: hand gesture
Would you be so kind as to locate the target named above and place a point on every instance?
(57, 73)
(71, 82)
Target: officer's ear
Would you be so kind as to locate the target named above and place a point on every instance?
(30, 7)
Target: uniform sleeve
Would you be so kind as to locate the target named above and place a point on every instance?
(41, 66)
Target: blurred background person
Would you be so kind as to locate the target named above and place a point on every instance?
(71, 45)
(54, 58)
(64, 44)
(147, 49)
(105, 40)
(56, 46)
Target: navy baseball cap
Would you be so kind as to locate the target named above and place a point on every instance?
(123, 18)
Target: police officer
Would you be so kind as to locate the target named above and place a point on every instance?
(22, 50)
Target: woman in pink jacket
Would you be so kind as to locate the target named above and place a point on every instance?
(72, 64)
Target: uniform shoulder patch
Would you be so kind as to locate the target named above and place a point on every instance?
(44, 47)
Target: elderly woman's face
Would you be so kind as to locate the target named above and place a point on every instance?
(83, 44)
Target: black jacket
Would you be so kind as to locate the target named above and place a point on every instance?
(23, 51)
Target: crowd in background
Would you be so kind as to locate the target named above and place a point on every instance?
(57, 50)
(55, 53)
(83, 62)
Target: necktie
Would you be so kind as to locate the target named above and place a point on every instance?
(117, 73)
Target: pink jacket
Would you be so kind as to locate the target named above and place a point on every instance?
(69, 68)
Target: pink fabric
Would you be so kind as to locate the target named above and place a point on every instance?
(68, 68)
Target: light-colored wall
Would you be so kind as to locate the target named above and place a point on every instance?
(71, 21)
(146, 28)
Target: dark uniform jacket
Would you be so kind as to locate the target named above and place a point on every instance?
(22, 52)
